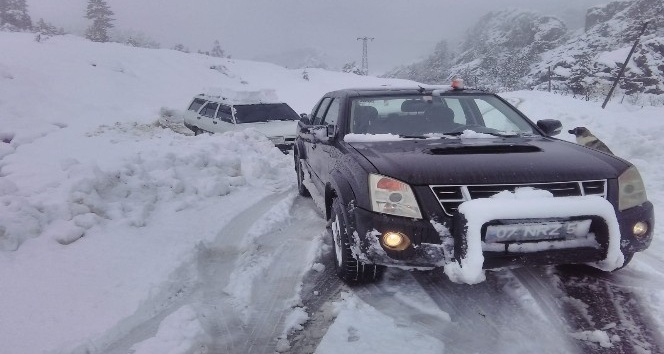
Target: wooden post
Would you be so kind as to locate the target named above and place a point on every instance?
(622, 70)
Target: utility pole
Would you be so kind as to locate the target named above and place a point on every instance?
(365, 54)
(622, 70)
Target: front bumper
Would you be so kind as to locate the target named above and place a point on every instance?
(437, 244)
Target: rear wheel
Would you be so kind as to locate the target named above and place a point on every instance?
(348, 268)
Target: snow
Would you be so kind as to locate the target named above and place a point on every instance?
(179, 333)
(243, 97)
(600, 337)
(530, 203)
(360, 328)
(366, 138)
(118, 235)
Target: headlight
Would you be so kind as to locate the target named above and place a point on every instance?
(390, 196)
(632, 191)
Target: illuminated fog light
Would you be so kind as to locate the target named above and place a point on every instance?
(396, 241)
(640, 229)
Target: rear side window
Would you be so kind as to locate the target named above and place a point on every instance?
(196, 104)
(209, 109)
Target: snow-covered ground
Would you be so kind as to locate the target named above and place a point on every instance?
(117, 235)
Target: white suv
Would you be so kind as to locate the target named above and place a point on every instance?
(218, 114)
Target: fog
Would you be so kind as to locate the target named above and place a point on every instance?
(404, 31)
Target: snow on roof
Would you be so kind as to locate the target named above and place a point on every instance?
(242, 97)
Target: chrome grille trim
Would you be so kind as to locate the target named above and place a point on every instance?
(451, 196)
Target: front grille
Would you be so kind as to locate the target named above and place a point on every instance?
(451, 196)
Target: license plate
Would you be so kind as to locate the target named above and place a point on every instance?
(540, 231)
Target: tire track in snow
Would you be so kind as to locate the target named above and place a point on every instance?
(587, 300)
(281, 257)
(212, 264)
(612, 306)
(495, 316)
(319, 291)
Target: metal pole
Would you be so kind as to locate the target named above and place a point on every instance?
(622, 70)
(365, 54)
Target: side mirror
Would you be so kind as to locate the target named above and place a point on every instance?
(304, 118)
(331, 131)
(550, 127)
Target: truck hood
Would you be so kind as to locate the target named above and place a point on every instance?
(488, 161)
(272, 128)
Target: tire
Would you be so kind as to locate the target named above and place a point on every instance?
(348, 268)
(301, 189)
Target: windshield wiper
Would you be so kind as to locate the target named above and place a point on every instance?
(412, 136)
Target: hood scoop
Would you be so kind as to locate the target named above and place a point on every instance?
(482, 149)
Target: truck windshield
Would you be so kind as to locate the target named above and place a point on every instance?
(422, 115)
(264, 112)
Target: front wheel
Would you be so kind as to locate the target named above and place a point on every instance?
(348, 268)
(301, 189)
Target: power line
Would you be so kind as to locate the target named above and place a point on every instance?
(365, 54)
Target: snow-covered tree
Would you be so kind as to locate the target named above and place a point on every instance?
(352, 68)
(14, 15)
(435, 69)
(101, 15)
(46, 28)
(216, 50)
(135, 39)
(181, 48)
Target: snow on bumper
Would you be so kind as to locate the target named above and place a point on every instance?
(533, 205)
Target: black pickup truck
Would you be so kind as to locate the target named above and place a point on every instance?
(430, 177)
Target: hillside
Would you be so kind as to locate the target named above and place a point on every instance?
(497, 52)
(589, 61)
(515, 49)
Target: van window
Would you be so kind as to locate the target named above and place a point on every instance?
(209, 109)
(225, 114)
(196, 104)
(264, 112)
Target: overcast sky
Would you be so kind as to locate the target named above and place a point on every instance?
(404, 31)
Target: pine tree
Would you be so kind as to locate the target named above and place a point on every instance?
(101, 15)
(181, 48)
(46, 28)
(14, 15)
(216, 50)
(352, 68)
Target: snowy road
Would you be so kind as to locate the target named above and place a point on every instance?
(248, 290)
